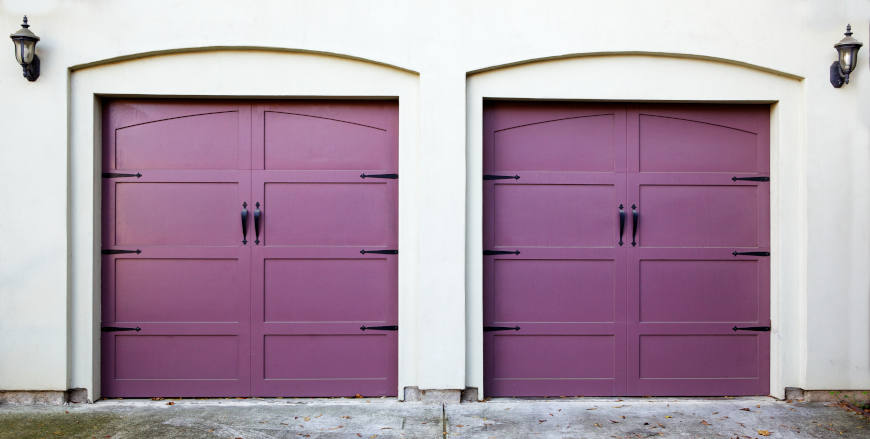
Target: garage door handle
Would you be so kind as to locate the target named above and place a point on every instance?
(380, 328)
(245, 223)
(257, 215)
(635, 216)
(500, 328)
(751, 328)
(621, 223)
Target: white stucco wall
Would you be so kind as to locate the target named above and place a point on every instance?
(439, 42)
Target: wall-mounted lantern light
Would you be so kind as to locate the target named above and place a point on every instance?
(847, 51)
(25, 50)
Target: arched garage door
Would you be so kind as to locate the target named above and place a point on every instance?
(246, 245)
(626, 249)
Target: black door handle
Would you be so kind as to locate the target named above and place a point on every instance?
(257, 215)
(500, 328)
(621, 223)
(244, 223)
(634, 220)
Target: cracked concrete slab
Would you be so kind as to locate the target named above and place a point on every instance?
(653, 417)
(388, 418)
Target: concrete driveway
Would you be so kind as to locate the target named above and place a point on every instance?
(387, 418)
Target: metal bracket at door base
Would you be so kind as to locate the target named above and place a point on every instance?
(380, 328)
(120, 252)
(500, 328)
(750, 178)
(751, 328)
(501, 177)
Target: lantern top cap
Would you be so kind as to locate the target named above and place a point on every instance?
(24, 33)
(848, 41)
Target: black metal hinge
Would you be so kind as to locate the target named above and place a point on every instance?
(380, 252)
(117, 175)
(390, 176)
(500, 328)
(750, 178)
(751, 328)
(500, 252)
(380, 328)
(120, 252)
(116, 329)
(737, 253)
(501, 177)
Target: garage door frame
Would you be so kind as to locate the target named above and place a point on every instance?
(666, 78)
(178, 74)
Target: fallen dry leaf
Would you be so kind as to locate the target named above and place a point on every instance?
(597, 424)
(593, 408)
(170, 403)
(745, 409)
(668, 416)
(705, 422)
(460, 425)
(357, 396)
(306, 419)
(764, 432)
(615, 422)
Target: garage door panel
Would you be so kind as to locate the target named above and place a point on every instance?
(699, 290)
(339, 356)
(197, 141)
(355, 290)
(567, 356)
(306, 141)
(542, 290)
(581, 143)
(699, 356)
(329, 213)
(673, 144)
(179, 290)
(177, 213)
(177, 357)
(699, 216)
(549, 215)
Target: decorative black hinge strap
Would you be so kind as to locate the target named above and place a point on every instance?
(501, 252)
(120, 252)
(380, 252)
(750, 178)
(501, 177)
(751, 328)
(390, 176)
(737, 253)
(116, 329)
(500, 328)
(118, 175)
(380, 328)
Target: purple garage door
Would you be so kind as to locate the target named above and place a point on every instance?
(243, 250)
(625, 249)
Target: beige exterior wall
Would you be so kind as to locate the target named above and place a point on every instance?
(430, 54)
